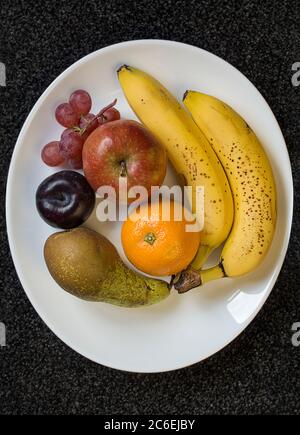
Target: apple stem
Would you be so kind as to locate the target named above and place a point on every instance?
(123, 170)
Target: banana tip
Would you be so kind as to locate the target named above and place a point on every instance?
(123, 67)
(185, 94)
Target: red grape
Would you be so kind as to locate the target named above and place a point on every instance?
(66, 116)
(110, 115)
(81, 102)
(76, 163)
(51, 154)
(71, 144)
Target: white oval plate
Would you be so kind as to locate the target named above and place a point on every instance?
(184, 329)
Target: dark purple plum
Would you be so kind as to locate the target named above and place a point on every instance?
(65, 200)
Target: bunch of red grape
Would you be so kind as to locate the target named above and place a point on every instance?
(75, 116)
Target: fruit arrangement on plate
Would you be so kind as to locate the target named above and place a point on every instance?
(208, 144)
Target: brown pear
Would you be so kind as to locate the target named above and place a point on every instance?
(85, 264)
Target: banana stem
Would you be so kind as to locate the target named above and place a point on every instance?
(191, 278)
(211, 274)
(202, 255)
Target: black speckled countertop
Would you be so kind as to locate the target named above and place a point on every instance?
(259, 372)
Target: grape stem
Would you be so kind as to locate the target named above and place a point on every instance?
(99, 116)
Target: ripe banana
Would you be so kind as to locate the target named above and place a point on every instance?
(252, 184)
(188, 150)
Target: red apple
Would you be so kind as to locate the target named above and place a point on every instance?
(124, 148)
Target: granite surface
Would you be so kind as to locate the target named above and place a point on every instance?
(259, 372)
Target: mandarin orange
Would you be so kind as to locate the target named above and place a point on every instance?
(158, 244)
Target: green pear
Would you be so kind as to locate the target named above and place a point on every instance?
(87, 265)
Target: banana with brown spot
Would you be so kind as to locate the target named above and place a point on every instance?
(252, 183)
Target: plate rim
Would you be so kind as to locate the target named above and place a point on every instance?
(275, 272)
